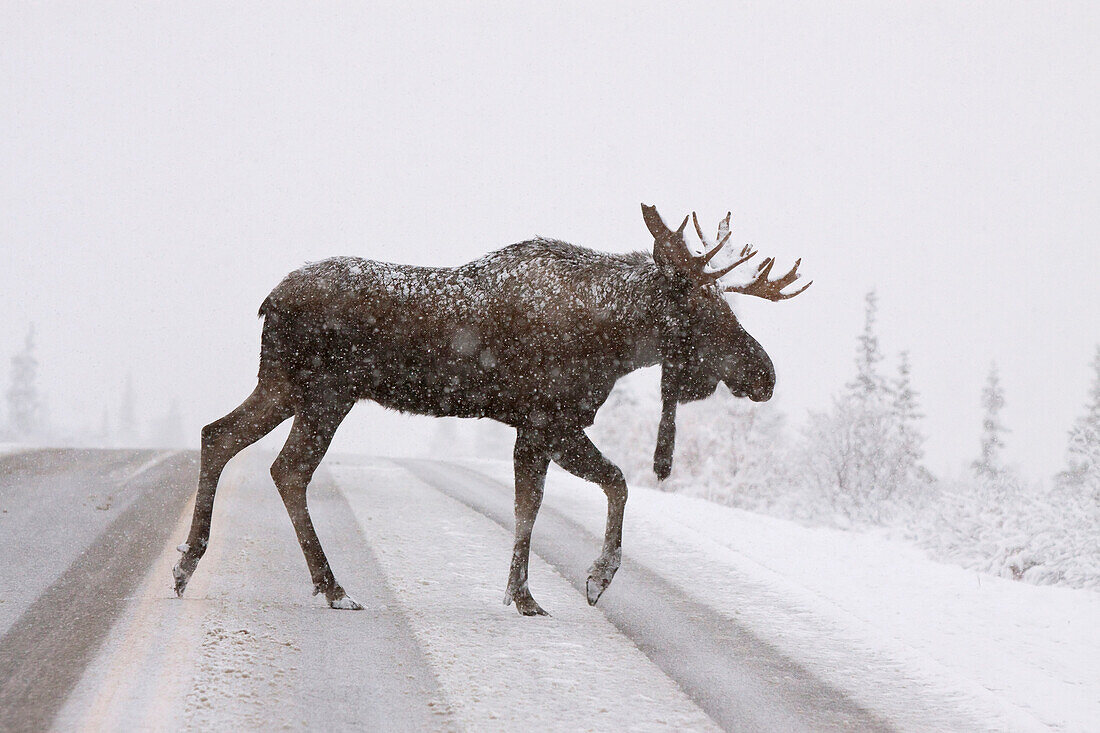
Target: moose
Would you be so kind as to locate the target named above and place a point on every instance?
(533, 335)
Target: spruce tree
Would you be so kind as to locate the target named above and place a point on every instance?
(23, 399)
(990, 465)
(1083, 449)
(856, 441)
(868, 383)
(906, 417)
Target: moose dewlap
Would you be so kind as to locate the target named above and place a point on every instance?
(533, 335)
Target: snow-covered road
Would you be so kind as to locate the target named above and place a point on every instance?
(77, 531)
(719, 619)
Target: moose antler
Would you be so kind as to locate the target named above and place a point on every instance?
(747, 253)
(723, 226)
(762, 287)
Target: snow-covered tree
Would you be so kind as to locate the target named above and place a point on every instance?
(1076, 493)
(989, 464)
(906, 422)
(868, 382)
(1083, 448)
(1056, 527)
(999, 522)
(24, 403)
(848, 458)
(860, 455)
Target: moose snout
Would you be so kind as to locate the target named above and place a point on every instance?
(763, 386)
(758, 388)
(752, 376)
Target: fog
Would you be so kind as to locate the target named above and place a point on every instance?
(164, 167)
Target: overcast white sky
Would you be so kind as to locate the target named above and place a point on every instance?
(162, 166)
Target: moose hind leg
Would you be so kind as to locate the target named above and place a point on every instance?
(577, 455)
(222, 439)
(530, 461)
(305, 447)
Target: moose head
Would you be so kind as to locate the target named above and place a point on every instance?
(701, 341)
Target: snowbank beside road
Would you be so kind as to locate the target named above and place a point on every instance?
(926, 644)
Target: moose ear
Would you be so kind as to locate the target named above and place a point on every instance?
(655, 224)
(669, 251)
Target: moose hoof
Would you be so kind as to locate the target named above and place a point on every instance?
(336, 596)
(180, 576)
(525, 604)
(599, 577)
(183, 569)
(345, 603)
(594, 588)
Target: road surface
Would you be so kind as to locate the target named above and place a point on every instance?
(94, 639)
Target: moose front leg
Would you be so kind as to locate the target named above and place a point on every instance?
(577, 455)
(530, 460)
(666, 439)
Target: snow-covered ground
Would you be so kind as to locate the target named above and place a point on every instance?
(874, 616)
(920, 645)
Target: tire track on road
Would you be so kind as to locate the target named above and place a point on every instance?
(54, 503)
(501, 671)
(248, 647)
(742, 682)
(43, 654)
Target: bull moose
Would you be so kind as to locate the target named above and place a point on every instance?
(533, 335)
